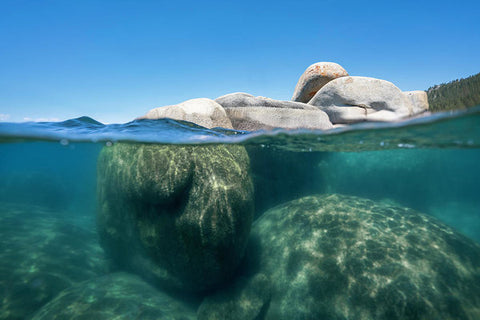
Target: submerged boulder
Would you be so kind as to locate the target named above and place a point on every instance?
(343, 257)
(41, 254)
(250, 113)
(246, 299)
(202, 111)
(179, 216)
(115, 296)
(355, 99)
(315, 77)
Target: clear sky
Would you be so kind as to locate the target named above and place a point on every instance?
(114, 60)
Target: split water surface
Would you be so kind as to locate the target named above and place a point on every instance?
(159, 219)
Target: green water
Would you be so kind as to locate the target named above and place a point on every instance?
(75, 233)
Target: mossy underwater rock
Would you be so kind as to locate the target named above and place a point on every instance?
(115, 296)
(40, 256)
(179, 216)
(246, 299)
(343, 257)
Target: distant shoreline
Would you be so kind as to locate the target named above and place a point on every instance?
(455, 95)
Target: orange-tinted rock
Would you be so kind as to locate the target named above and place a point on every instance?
(314, 78)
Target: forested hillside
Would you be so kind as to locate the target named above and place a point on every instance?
(457, 94)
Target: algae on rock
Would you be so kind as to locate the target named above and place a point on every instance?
(343, 257)
(177, 215)
(114, 296)
(41, 255)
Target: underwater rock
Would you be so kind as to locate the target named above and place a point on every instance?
(246, 299)
(356, 99)
(178, 216)
(315, 77)
(41, 255)
(343, 257)
(202, 111)
(114, 296)
(250, 113)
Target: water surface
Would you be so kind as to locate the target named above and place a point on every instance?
(48, 186)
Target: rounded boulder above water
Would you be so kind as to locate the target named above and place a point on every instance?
(315, 77)
(343, 257)
(201, 111)
(179, 216)
(259, 113)
(356, 99)
(419, 100)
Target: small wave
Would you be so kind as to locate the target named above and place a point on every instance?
(458, 129)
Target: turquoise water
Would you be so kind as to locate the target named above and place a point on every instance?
(60, 203)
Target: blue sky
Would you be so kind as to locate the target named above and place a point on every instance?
(115, 60)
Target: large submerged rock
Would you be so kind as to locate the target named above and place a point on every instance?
(246, 299)
(250, 113)
(179, 216)
(355, 99)
(115, 296)
(202, 111)
(315, 77)
(343, 257)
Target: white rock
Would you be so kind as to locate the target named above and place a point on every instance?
(202, 111)
(419, 100)
(242, 99)
(315, 77)
(262, 118)
(250, 113)
(355, 99)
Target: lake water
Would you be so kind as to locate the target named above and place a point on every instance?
(60, 259)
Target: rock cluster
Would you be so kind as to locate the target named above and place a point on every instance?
(181, 218)
(325, 95)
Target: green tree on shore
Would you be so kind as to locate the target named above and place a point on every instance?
(457, 94)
